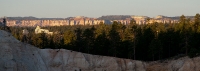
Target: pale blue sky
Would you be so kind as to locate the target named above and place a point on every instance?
(97, 8)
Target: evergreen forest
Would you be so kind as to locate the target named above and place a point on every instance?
(147, 42)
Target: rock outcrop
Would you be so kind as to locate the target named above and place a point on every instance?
(74, 21)
(18, 56)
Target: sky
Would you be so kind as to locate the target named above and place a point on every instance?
(97, 8)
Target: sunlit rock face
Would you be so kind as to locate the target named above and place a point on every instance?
(81, 20)
(34, 23)
(39, 30)
(18, 56)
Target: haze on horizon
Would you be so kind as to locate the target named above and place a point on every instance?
(97, 8)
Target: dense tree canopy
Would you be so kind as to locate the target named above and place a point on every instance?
(141, 42)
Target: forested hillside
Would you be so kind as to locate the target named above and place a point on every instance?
(141, 42)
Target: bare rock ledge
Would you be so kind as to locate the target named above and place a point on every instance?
(18, 56)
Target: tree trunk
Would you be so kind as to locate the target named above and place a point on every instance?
(153, 57)
(134, 50)
(186, 48)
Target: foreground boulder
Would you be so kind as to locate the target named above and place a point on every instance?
(18, 56)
